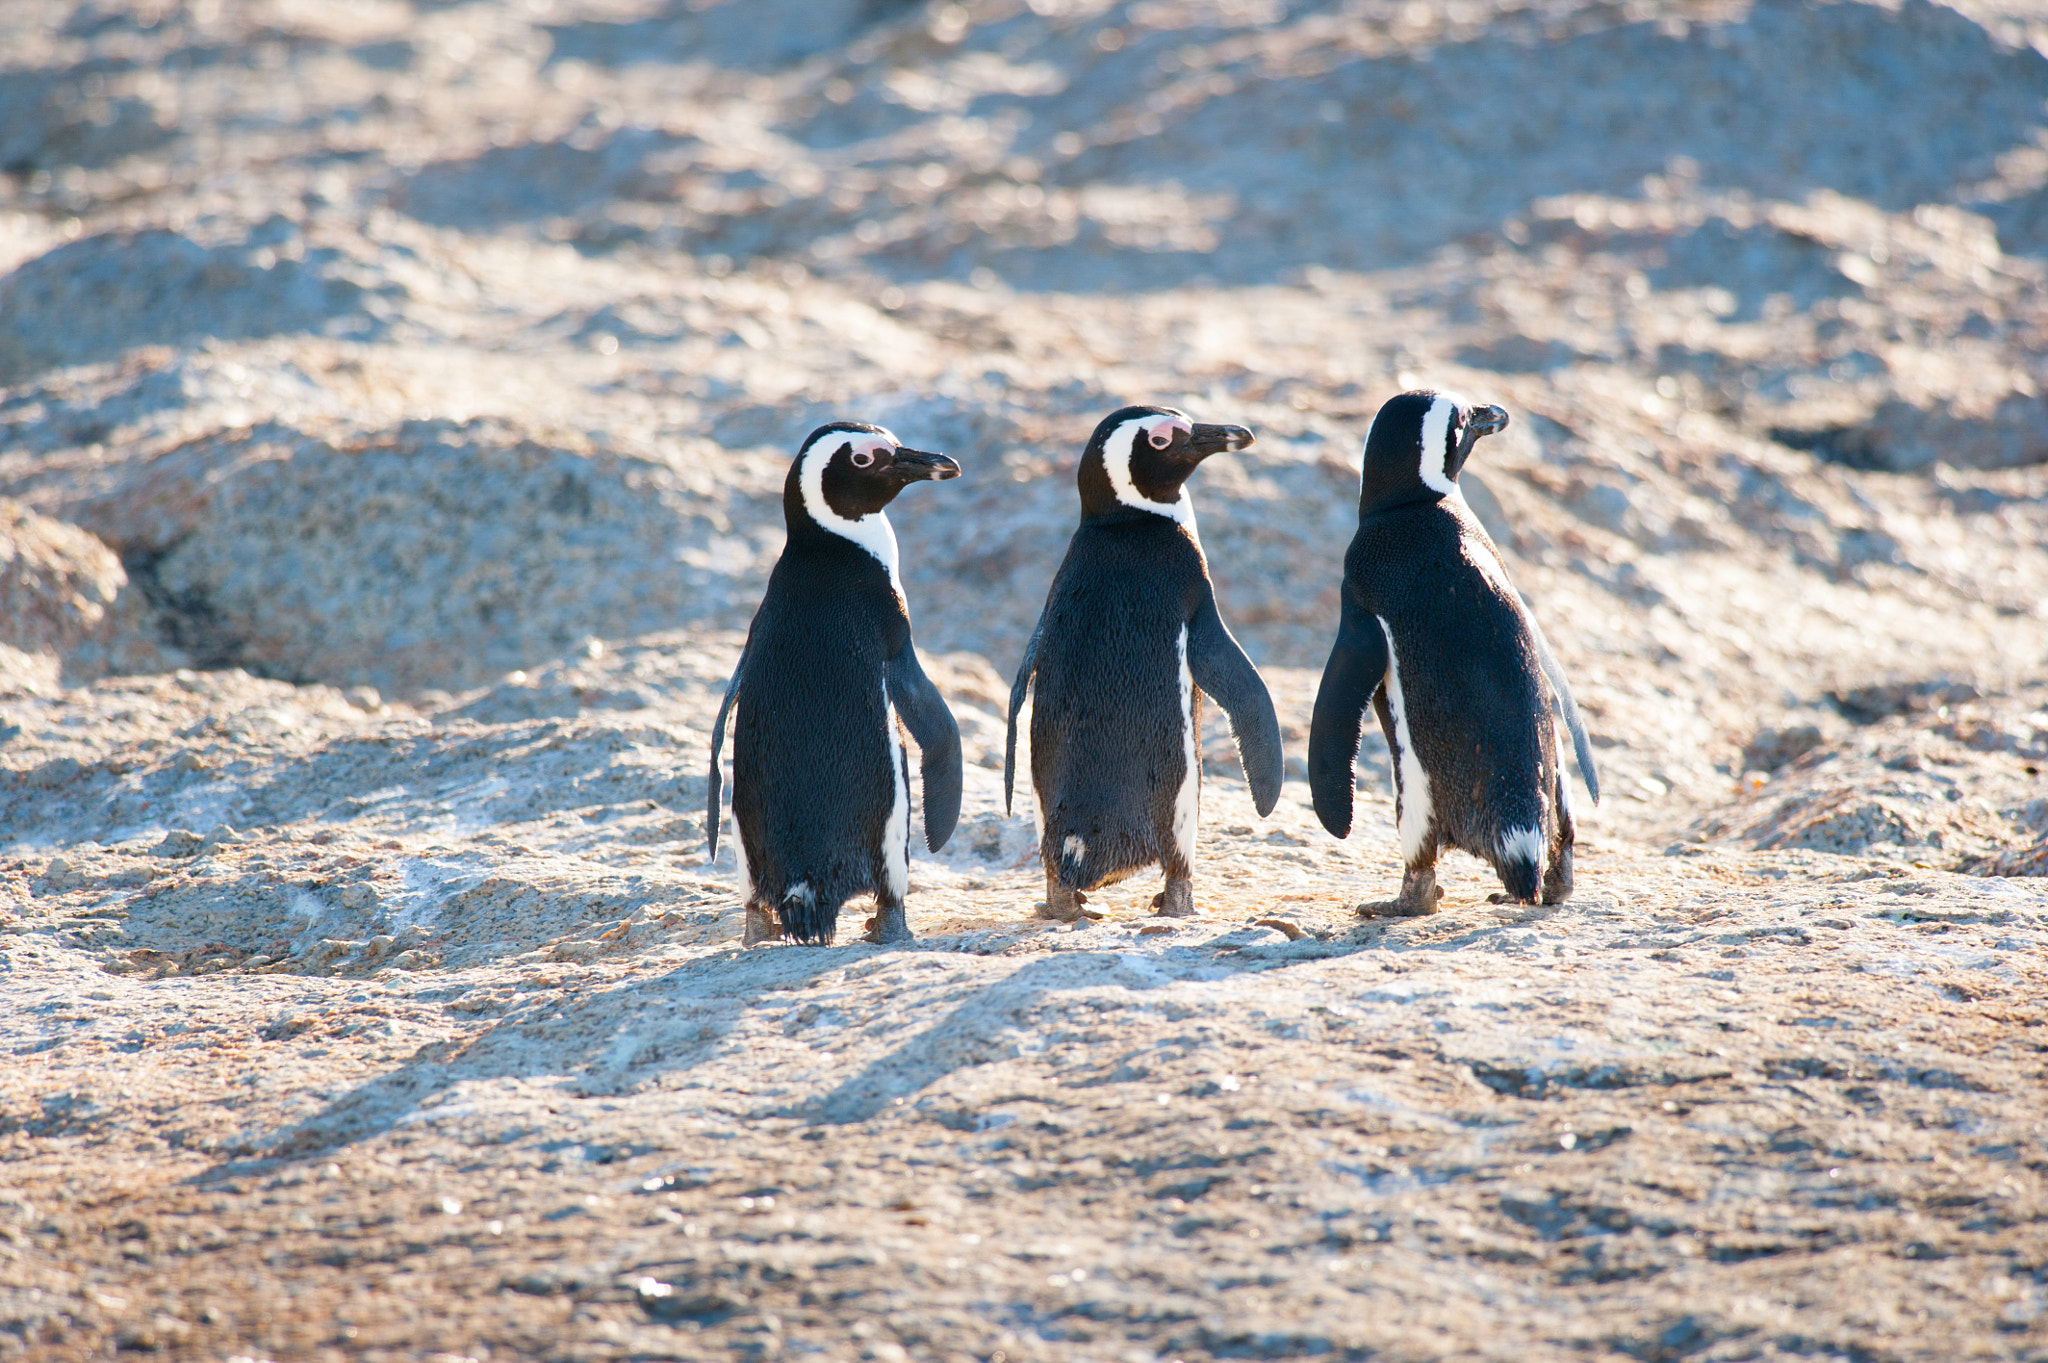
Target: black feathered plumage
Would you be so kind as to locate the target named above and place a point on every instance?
(1432, 632)
(818, 762)
(1131, 613)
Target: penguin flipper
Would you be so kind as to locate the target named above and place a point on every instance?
(1018, 690)
(1355, 671)
(1219, 667)
(732, 689)
(1554, 671)
(925, 713)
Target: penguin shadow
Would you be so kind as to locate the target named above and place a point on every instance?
(977, 1029)
(609, 1039)
(983, 1026)
(627, 1035)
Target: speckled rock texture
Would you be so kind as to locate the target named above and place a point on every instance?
(395, 397)
(63, 600)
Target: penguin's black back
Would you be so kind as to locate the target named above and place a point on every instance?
(1108, 739)
(813, 786)
(1477, 703)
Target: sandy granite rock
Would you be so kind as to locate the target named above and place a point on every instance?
(67, 606)
(395, 398)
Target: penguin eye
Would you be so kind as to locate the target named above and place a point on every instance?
(863, 458)
(1160, 440)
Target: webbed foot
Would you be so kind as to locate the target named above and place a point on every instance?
(1557, 881)
(1420, 894)
(889, 926)
(1063, 905)
(1177, 900)
(762, 926)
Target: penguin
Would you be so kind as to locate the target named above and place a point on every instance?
(820, 783)
(1122, 655)
(1437, 640)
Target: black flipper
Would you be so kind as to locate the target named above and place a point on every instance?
(1018, 690)
(1554, 670)
(924, 712)
(732, 688)
(1356, 669)
(1219, 667)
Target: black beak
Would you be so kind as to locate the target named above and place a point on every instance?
(1479, 421)
(1208, 440)
(915, 466)
(1485, 421)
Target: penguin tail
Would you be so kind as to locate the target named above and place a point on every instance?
(805, 918)
(1520, 862)
(1072, 867)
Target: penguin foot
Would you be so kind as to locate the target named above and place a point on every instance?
(888, 927)
(1063, 905)
(1557, 881)
(762, 926)
(1394, 908)
(1500, 897)
(1177, 900)
(1420, 894)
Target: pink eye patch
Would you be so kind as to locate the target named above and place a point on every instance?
(1162, 433)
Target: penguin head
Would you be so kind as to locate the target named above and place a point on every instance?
(1139, 457)
(1418, 443)
(848, 470)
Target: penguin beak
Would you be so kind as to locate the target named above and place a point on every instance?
(1204, 441)
(1478, 421)
(1485, 421)
(916, 466)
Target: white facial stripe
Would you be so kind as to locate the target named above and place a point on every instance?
(1436, 432)
(871, 532)
(1116, 461)
(1411, 782)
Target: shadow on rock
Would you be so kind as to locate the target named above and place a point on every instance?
(644, 1032)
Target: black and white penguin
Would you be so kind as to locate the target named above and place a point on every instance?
(1128, 643)
(1435, 637)
(820, 784)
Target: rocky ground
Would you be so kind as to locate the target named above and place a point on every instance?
(394, 401)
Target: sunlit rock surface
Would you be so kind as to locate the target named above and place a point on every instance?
(394, 404)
